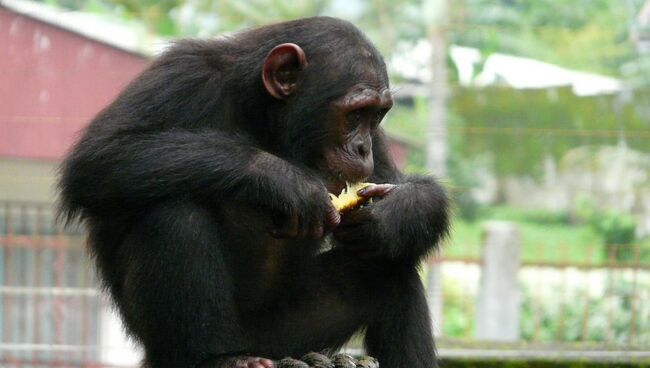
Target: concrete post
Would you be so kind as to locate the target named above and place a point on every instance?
(498, 306)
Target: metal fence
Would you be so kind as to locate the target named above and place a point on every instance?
(591, 304)
(51, 314)
(48, 301)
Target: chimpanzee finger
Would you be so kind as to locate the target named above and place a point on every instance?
(316, 229)
(333, 218)
(355, 217)
(287, 228)
(267, 363)
(303, 227)
(377, 190)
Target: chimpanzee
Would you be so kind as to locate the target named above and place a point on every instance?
(204, 189)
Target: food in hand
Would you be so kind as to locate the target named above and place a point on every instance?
(349, 199)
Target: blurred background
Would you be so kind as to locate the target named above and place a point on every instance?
(534, 113)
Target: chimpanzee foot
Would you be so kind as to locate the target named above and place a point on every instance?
(241, 362)
(315, 360)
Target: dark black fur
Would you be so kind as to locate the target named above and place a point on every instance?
(177, 181)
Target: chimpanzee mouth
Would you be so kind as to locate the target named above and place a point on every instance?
(335, 183)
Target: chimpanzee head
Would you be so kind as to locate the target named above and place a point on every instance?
(330, 91)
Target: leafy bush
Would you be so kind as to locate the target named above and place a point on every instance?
(617, 229)
(547, 217)
(464, 180)
(584, 316)
(603, 317)
(459, 310)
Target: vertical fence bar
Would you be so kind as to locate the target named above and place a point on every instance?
(584, 328)
(609, 293)
(636, 249)
(59, 302)
(537, 298)
(8, 299)
(39, 230)
(85, 335)
(3, 246)
(22, 277)
(560, 332)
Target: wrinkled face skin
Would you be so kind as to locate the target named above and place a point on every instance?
(357, 115)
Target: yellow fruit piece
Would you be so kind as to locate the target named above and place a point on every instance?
(349, 199)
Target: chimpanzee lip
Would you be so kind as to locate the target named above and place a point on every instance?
(336, 183)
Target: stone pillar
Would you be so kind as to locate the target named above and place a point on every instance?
(498, 308)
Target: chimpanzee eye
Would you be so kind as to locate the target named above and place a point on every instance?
(379, 116)
(354, 119)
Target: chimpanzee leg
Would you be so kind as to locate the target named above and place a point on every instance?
(177, 293)
(348, 292)
(400, 335)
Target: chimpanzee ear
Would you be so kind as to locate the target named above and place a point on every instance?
(280, 72)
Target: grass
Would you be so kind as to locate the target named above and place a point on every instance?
(545, 236)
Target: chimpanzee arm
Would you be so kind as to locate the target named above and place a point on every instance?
(105, 176)
(413, 217)
(407, 223)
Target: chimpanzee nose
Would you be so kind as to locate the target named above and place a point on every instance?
(364, 147)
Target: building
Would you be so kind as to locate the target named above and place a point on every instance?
(57, 70)
(54, 79)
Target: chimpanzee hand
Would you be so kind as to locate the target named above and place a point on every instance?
(406, 221)
(359, 228)
(303, 208)
(297, 201)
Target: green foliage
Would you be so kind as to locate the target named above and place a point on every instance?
(615, 228)
(554, 31)
(583, 34)
(462, 176)
(580, 316)
(409, 121)
(235, 15)
(546, 217)
(521, 128)
(156, 15)
(526, 215)
(458, 311)
(534, 363)
(541, 241)
(568, 313)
